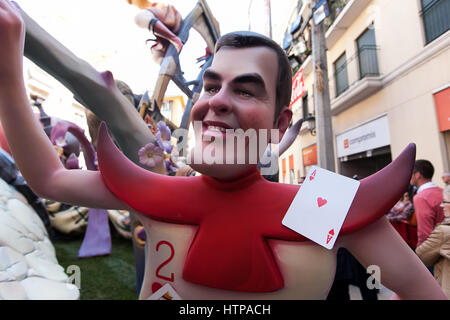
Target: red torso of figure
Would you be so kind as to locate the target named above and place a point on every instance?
(235, 219)
(230, 249)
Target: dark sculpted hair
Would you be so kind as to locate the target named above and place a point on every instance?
(425, 168)
(247, 39)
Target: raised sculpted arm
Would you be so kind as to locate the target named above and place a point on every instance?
(96, 91)
(30, 146)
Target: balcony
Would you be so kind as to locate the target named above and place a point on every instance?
(307, 66)
(368, 61)
(342, 18)
(355, 79)
(356, 93)
(299, 60)
(335, 7)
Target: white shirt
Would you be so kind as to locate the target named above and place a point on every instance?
(426, 186)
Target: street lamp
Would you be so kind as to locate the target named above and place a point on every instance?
(311, 124)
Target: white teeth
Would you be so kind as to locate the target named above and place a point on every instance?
(215, 128)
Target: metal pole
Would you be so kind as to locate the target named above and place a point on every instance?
(249, 17)
(325, 146)
(269, 19)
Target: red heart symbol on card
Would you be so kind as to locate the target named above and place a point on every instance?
(321, 201)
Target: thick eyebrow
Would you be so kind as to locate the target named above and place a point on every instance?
(252, 78)
(211, 75)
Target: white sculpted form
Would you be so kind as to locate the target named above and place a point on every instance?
(28, 265)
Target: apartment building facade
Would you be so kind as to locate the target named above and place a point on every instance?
(389, 80)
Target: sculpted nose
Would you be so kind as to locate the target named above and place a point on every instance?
(220, 103)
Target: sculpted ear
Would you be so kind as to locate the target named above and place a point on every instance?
(282, 123)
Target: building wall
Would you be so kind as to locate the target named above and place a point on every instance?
(408, 98)
(410, 71)
(398, 32)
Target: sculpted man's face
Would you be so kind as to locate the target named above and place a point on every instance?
(239, 93)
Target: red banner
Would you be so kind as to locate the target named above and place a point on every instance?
(442, 101)
(298, 87)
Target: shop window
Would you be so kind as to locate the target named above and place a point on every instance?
(367, 54)
(436, 18)
(340, 74)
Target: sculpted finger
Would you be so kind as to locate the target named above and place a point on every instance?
(7, 7)
(14, 7)
(5, 4)
(15, 4)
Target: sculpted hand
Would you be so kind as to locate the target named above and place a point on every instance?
(12, 35)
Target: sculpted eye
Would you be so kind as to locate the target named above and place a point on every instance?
(211, 89)
(245, 93)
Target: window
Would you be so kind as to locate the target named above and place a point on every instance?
(367, 54)
(340, 74)
(305, 105)
(166, 109)
(436, 18)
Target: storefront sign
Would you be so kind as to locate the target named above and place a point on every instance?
(321, 11)
(298, 87)
(369, 136)
(442, 101)
(310, 155)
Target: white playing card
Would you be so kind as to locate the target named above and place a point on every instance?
(320, 206)
(166, 292)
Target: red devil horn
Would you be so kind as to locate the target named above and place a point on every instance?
(378, 193)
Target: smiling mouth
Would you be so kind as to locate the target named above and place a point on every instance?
(216, 128)
(211, 128)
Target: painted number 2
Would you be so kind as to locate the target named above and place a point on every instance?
(165, 262)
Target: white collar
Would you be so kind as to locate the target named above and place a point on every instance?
(426, 186)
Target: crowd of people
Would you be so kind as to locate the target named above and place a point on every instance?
(423, 213)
